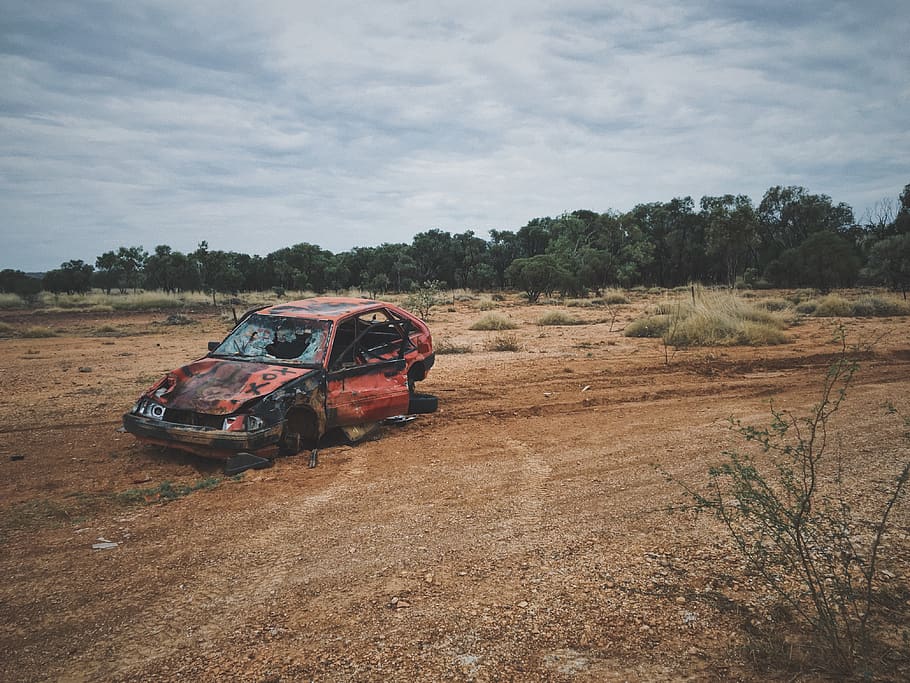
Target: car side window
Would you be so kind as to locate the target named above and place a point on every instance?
(372, 337)
(343, 346)
(381, 336)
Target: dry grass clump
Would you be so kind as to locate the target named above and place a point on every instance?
(100, 302)
(801, 295)
(7, 330)
(9, 300)
(773, 304)
(486, 305)
(502, 342)
(494, 322)
(832, 306)
(450, 348)
(614, 297)
(715, 319)
(611, 297)
(649, 326)
(558, 318)
(147, 301)
(107, 330)
(881, 306)
(37, 332)
(869, 306)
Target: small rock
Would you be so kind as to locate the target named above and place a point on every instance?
(680, 600)
(104, 545)
(17, 456)
(586, 387)
(523, 604)
(85, 369)
(429, 577)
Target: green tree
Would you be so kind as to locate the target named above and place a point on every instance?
(504, 248)
(823, 260)
(171, 271)
(537, 275)
(730, 231)
(788, 215)
(72, 277)
(434, 257)
(17, 282)
(889, 263)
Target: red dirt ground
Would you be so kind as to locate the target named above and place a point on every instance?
(517, 534)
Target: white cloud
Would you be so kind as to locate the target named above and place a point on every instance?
(259, 125)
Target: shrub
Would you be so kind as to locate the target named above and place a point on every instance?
(833, 305)
(880, 307)
(502, 342)
(713, 329)
(802, 295)
(649, 326)
(486, 305)
(8, 300)
(447, 347)
(784, 505)
(773, 304)
(614, 297)
(7, 330)
(422, 299)
(558, 318)
(494, 321)
(718, 319)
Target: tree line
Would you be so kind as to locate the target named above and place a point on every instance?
(792, 238)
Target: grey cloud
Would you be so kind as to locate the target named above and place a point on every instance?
(347, 124)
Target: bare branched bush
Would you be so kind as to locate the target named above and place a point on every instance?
(422, 299)
(502, 342)
(784, 504)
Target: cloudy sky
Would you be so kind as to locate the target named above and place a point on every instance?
(257, 125)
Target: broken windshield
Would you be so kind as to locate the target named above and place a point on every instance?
(272, 338)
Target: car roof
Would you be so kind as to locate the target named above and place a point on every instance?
(325, 307)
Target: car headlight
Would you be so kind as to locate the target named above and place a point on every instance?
(237, 422)
(148, 408)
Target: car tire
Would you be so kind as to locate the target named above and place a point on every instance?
(422, 403)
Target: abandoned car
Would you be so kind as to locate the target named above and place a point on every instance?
(286, 375)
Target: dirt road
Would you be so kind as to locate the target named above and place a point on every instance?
(517, 534)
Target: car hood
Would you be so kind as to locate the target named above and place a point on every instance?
(220, 387)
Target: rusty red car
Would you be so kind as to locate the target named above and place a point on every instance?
(288, 374)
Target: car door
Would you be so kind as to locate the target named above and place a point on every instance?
(367, 379)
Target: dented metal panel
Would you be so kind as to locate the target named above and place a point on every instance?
(367, 393)
(286, 374)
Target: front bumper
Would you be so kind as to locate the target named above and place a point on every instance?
(212, 443)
